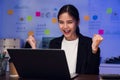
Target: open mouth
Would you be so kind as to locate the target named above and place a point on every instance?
(66, 31)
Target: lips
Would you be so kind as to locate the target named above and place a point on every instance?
(66, 31)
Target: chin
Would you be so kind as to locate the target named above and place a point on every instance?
(67, 36)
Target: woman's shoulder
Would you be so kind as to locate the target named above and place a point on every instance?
(56, 42)
(85, 39)
(56, 39)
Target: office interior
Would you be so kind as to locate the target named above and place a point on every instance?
(20, 18)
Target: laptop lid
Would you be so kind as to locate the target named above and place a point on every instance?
(40, 63)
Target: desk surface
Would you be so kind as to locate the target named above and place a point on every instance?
(80, 77)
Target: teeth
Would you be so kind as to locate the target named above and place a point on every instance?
(66, 30)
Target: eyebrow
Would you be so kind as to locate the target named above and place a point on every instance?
(67, 20)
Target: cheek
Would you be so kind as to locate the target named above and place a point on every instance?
(73, 27)
(60, 26)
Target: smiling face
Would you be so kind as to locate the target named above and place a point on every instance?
(68, 26)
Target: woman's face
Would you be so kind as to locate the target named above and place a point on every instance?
(68, 26)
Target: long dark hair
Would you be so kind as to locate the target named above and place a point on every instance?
(72, 11)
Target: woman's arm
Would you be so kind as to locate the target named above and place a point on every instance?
(30, 42)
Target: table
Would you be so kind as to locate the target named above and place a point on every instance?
(80, 77)
(88, 77)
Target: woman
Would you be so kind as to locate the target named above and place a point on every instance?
(82, 53)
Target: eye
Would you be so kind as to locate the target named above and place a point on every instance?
(70, 22)
(60, 22)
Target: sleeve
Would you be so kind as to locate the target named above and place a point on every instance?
(27, 45)
(93, 62)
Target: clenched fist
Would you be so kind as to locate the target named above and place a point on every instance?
(96, 40)
(31, 40)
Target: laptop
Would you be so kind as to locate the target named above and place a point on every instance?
(42, 64)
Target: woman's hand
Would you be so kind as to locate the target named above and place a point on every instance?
(31, 40)
(97, 39)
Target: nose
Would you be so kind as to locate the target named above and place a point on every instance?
(65, 25)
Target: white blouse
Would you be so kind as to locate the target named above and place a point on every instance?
(71, 48)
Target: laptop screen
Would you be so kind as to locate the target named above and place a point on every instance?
(40, 63)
